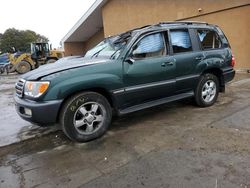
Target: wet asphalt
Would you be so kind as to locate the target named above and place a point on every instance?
(173, 145)
(12, 128)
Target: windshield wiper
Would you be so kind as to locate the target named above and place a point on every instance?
(113, 54)
(96, 54)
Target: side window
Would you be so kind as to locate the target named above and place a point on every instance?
(209, 39)
(180, 40)
(149, 46)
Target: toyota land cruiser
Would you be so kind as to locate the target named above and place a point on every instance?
(128, 72)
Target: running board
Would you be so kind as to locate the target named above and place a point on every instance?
(155, 103)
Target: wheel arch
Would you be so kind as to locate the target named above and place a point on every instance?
(219, 74)
(102, 91)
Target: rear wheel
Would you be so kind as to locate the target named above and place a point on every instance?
(23, 67)
(1, 69)
(85, 116)
(12, 68)
(207, 90)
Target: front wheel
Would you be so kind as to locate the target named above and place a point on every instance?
(85, 116)
(207, 90)
(23, 67)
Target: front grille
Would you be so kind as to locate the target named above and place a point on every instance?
(20, 87)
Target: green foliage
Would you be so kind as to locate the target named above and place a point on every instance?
(19, 39)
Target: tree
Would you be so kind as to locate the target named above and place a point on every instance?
(20, 39)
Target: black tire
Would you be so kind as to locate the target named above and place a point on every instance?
(23, 67)
(70, 110)
(200, 99)
(12, 68)
(1, 69)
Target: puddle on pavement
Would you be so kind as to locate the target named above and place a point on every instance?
(32, 131)
(12, 128)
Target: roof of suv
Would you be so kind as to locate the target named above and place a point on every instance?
(167, 25)
(176, 24)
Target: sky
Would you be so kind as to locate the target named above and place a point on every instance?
(51, 18)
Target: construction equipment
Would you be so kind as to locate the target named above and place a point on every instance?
(21, 63)
(40, 54)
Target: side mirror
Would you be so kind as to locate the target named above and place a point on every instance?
(136, 52)
(130, 60)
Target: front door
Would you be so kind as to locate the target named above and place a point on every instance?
(149, 72)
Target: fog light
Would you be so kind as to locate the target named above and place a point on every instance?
(27, 111)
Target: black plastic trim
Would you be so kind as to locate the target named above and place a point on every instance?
(156, 103)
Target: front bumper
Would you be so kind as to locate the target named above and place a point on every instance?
(42, 113)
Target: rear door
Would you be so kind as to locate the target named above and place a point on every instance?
(185, 51)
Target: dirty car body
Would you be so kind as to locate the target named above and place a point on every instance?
(138, 69)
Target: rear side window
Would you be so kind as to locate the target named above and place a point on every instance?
(180, 40)
(209, 39)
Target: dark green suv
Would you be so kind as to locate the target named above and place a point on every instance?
(137, 69)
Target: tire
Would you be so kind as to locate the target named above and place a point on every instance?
(23, 67)
(1, 69)
(207, 90)
(85, 116)
(51, 61)
(12, 68)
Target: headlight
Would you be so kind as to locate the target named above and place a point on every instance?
(35, 89)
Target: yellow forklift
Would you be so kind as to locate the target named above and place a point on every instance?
(41, 53)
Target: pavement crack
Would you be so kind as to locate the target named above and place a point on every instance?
(16, 169)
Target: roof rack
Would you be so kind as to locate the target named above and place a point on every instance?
(170, 22)
(184, 22)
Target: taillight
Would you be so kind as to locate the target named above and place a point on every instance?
(233, 61)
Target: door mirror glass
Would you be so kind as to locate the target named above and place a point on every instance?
(130, 60)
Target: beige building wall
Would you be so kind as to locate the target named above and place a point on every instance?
(231, 15)
(80, 48)
(95, 39)
(74, 48)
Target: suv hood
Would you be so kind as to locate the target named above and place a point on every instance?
(61, 65)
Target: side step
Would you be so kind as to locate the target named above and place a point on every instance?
(155, 103)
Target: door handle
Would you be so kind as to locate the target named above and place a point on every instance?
(167, 64)
(199, 58)
(170, 63)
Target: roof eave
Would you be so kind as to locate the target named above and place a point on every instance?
(94, 7)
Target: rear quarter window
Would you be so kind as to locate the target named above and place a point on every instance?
(209, 39)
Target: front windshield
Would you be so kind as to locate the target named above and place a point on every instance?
(110, 47)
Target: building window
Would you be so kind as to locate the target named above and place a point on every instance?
(149, 46)
(209, 39)
(180, 40)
